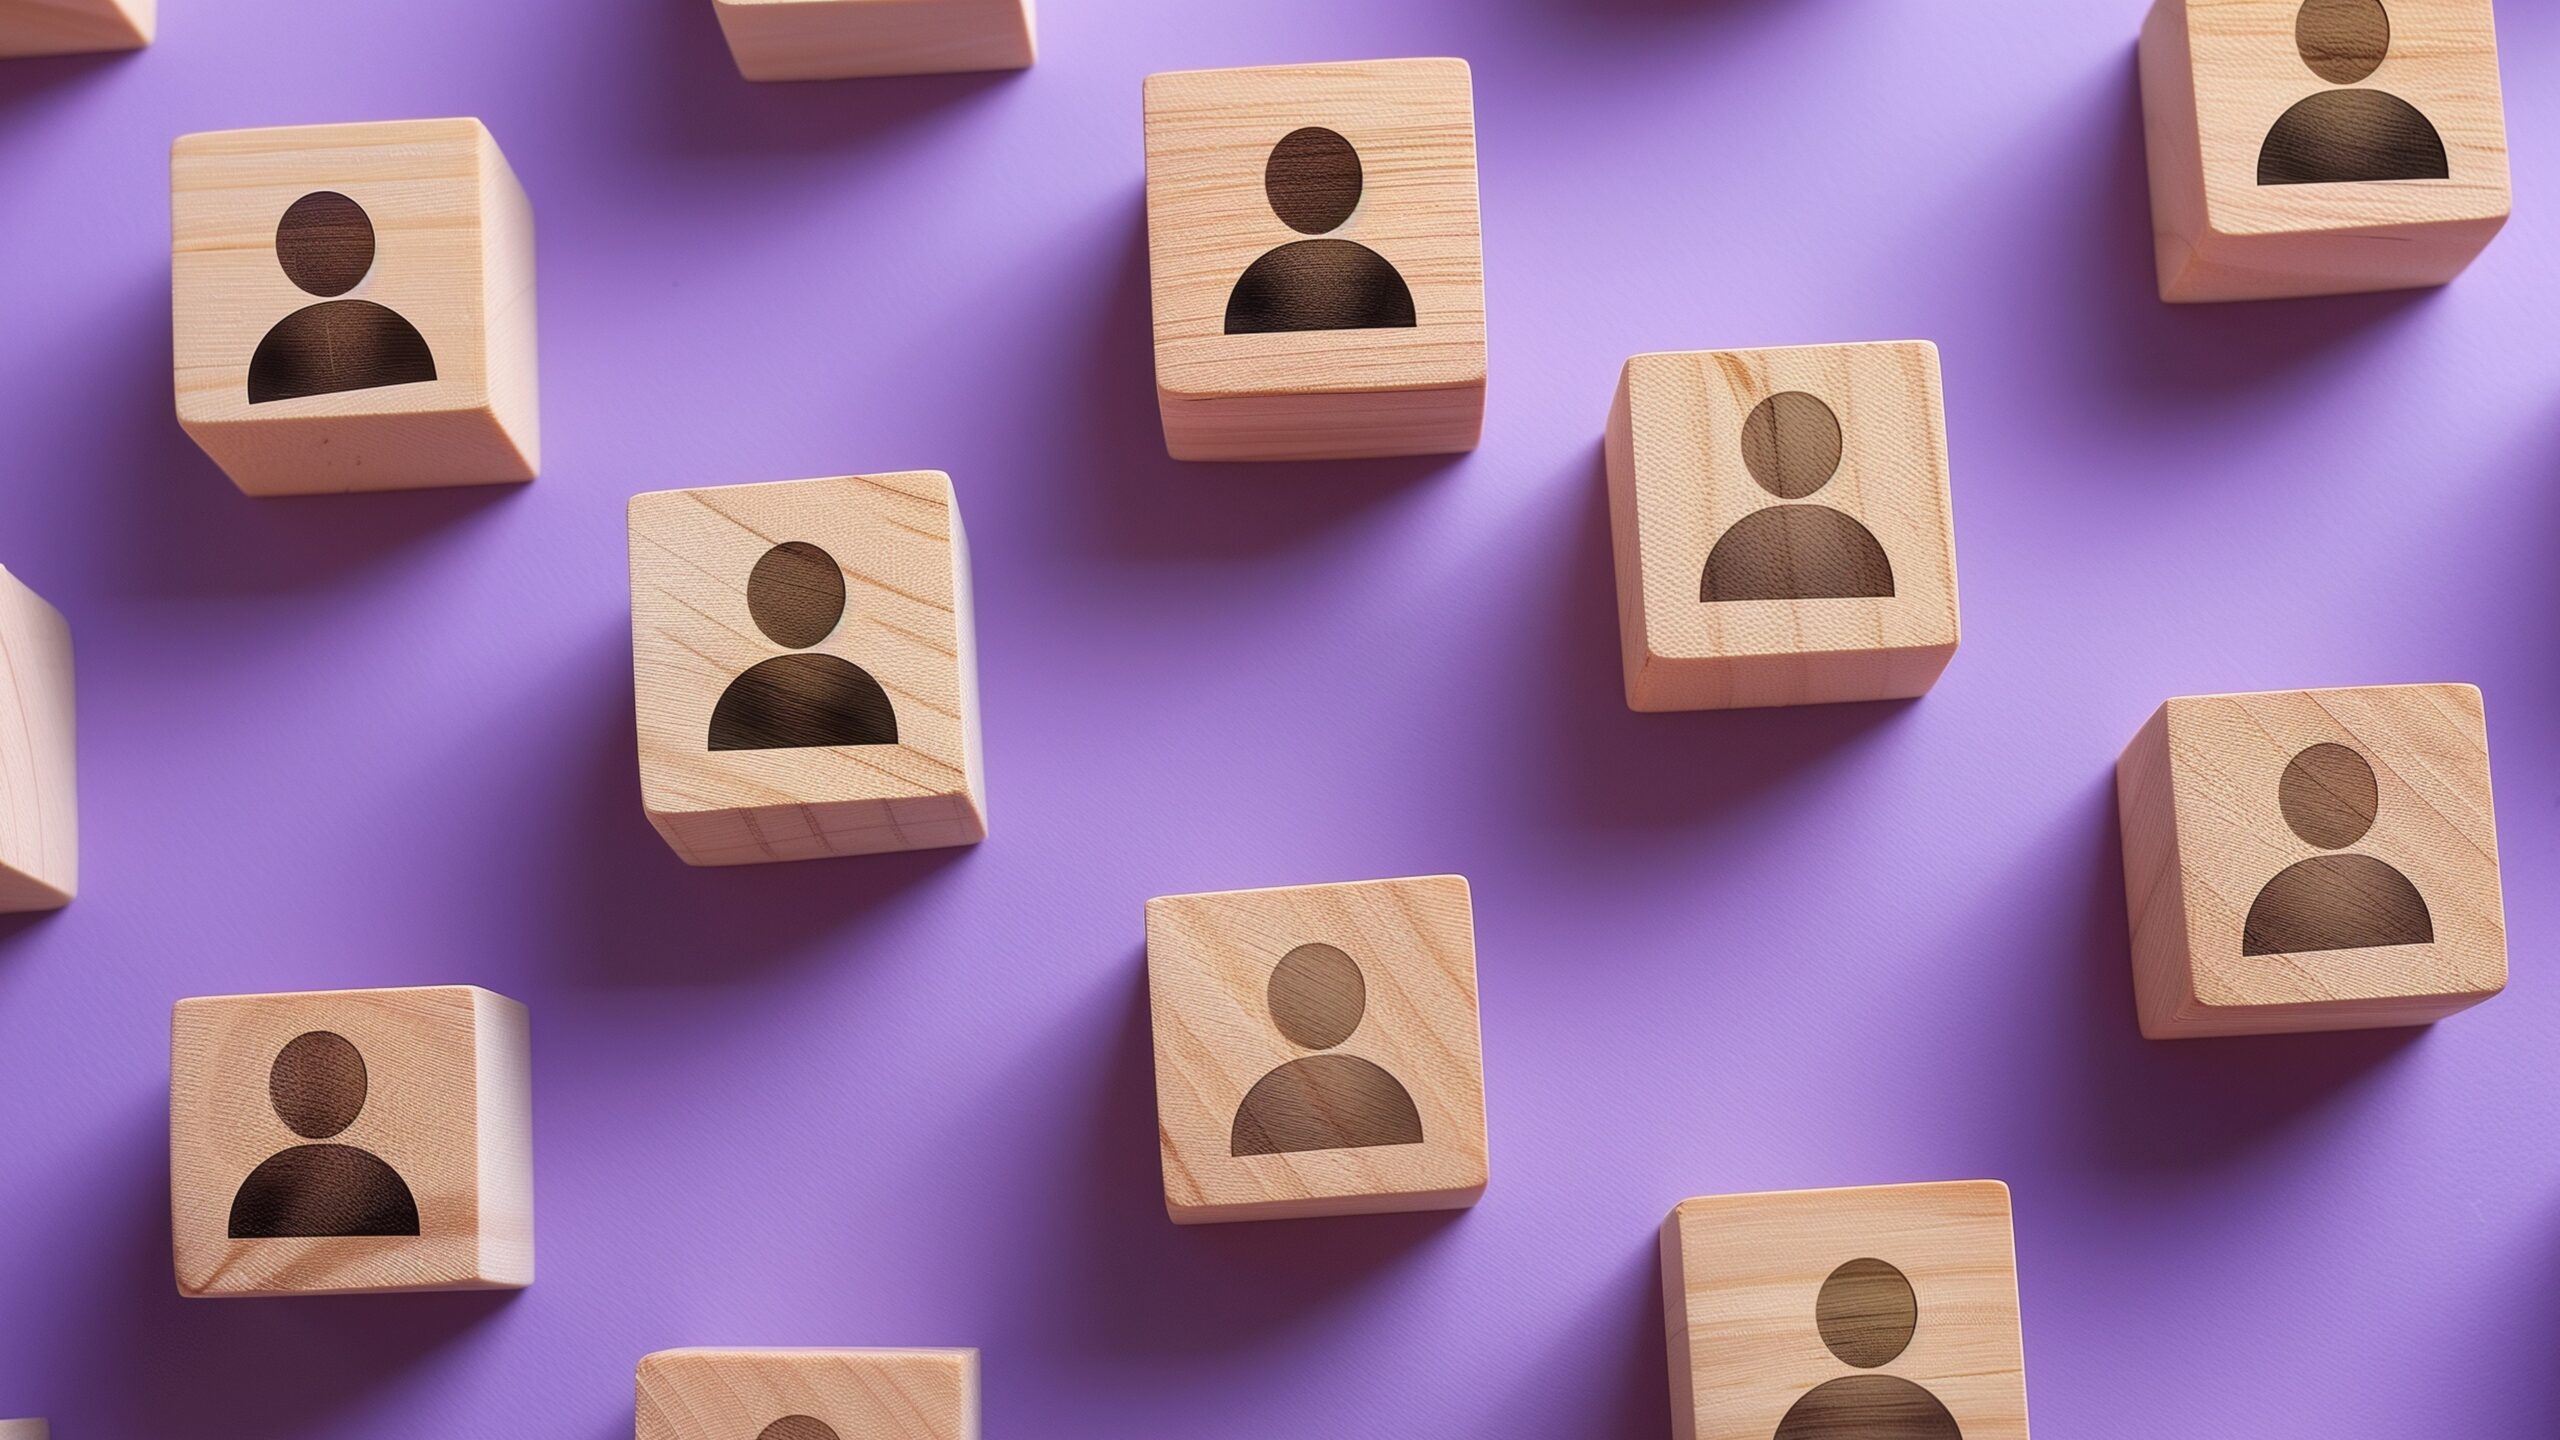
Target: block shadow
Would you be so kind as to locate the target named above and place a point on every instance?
(27, 81)
(1624, 1321)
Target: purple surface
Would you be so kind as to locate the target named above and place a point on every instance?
(378, 741)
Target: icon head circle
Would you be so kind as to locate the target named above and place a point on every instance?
(2343, 41)
(1313, 179)
(1791, 443)
(325, 243)
(1317, 996)
(798, 1427)
(317, 1084)
(796, 594)
(2329, 796)
(1866, 1313)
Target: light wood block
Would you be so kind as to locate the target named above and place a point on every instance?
(1317, 1050)
(1314, 252)
(354, 306)
(1783, 527)
(809, 1395)
(74, 27)
(352, 1140)
(24, 1430)
(843, 39)
(1888, 1310)
(39, 803)
(806, 666)
(2321, 148)
(2311, 860)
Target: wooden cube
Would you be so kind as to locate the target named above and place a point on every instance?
(841, 39)
(39, 807)
(2311, 860)
(1312, 239)
(1782, 524)
(73, 27)
(354, 306)
(351, 1140)
(806, 668)
(1888, 1310)
(24, 1430)
(809, 1395)
(2321, 148)
(1317, 1050)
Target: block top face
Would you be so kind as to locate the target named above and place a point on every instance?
(2337, 844)
(1886, 1310)
(1792, 500)
(808, 1395)
(1313, 228)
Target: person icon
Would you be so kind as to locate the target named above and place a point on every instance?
(798, 1427)
(325, 244)
(792, 702)
(318, 1086)
(1313, 181)
(1791, 445)
(2337, 901)
(1866, 1313)
(1322, 1102)
(2343, 135)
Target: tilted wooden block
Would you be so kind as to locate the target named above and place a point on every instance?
(1313, 248)
(1317, 1050)
(74, 27)
(2311, 860)
(354, 306)
(2321, 147)
(807, 668)
(1887, 1310)
(351, 1140)
(24, 1430)
(39, 805)
(1782, 524)
(841, 39)
(809, 1395)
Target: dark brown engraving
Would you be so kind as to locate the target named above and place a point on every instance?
(1322, 1102)
(2330, 797)
(325, 244)
(796, 596)
(1791, 445)
(318, 1086)
(1313, 181)
(2343, 41)
(798, 1427)
(2339, 136)
(1867, 1313)
(1868, 1407)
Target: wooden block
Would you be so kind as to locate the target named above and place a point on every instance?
(352, 1140)
(24, 1430)
(809, 1395)
(1782, 524)
(39, 807)
(1313, 245)
(354, 306)
(806, 668)
(1888, 1310)
(2311, 860)
(74, 27)
(2321, 148)
(842, 39)
(1317, 1050)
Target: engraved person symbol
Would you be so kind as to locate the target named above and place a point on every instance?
(1867, 1314)
(791, 702)
(1323, 1102)
(1313, 180)
(2338, 901)
(325, 244)
(2342, 135)
(798, 1427)
(318, 1088)
(1791, 444)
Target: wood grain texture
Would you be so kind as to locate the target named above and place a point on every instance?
(843, 39)
(906, 624)
(75, 27)
(454, 260)
(1310, 394)
(1755, 1331)
(24, 1430)
(2220, 76)
(1223, 1031)
(446, 1105)
(39, 799)
(2200, 797)
(854, 1394)
(1680, 453)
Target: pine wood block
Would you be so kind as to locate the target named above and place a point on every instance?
(844, 39)
(1887, 1310)
(353, 1140)
(39, 805)
(809, 1395)
(1782, 524)
(354, 306)
(807, 670)
(24, 1430)
(74, 27)
(2311, 860)
(1317, 1050)
(2321, 148)
(1314, 252)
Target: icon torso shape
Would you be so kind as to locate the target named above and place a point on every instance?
(325, 244)
(798, 1427)
(2345, 135)
(1313, 180)
(1791, 444)
(2338, 901)
(1867, 1314)
(1322, 1102)
(804, 700)
(317, 1086)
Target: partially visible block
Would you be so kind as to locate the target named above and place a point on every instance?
(2321, 148)
(39, 806)
(842, 39)
(1313, 249)
(809, 1395)
(23, 1430)
(807, 669)
(74, 27)
(354, 306)
(2311, 860)
(1887, 1310)
(1783, 526)
(352, 1140)
(1317, 1050)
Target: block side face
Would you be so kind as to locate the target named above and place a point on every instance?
(847, 39)
(508, 300)
(39, 802)
(860, 1394)
(1336, 425)
(2172, 149)
(73, 27)
(2155, 892)
(503, 1095)
(1618, 467)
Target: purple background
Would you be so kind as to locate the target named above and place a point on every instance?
(907, 1100)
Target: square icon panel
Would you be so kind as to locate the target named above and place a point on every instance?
(808, 1395)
